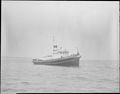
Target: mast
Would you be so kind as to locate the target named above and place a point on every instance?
(54, 45)
(77, 51)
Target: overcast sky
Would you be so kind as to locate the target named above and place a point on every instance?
(28, 27)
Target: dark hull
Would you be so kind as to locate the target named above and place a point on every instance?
(69, 61)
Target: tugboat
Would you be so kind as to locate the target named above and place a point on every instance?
(59, 57)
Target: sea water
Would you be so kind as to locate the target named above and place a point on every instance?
(20, 75)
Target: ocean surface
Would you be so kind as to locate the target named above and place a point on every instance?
(20, 75)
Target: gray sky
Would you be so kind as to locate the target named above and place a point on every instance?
(28, 27)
